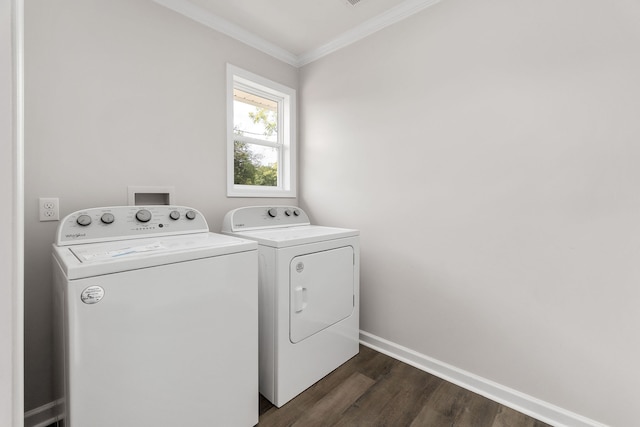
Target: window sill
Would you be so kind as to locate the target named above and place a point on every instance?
(250, 191)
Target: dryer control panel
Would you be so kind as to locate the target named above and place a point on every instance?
(128, 222)
(262, 217)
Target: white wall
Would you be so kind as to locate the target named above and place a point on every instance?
(11, 401)
(118, 93)
(488, 151)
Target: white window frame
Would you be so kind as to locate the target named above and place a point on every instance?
(286, 98)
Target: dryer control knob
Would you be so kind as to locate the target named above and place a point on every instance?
(273, 212)
(174, 215)
(107, 218)
(190, 215)
(84, 220)
(296, 212)
(143, 215)
(287, 212)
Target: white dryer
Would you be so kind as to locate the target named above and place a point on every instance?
(308, 296)
(156, 320)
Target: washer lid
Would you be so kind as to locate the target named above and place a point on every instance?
(78, 261)
(293, 236)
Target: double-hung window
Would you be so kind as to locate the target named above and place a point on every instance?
(261, 129)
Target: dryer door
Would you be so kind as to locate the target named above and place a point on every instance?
(321, 291)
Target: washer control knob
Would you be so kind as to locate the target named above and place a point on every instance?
(190, 215)
(174, 215)
(287, 212)
(296, 212)
(107, 218)
(143, 215)
(84, 220)
(273, 212)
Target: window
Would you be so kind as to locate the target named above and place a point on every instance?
(261, 129)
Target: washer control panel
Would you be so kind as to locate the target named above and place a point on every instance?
(128, 222)
(259, 217)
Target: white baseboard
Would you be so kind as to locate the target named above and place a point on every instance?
(536, 408)
(44, 415)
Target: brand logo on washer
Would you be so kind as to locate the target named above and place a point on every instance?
(75, 235)
(92, 295)
(299, 267)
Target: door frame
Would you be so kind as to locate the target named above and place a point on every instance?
(12, 228)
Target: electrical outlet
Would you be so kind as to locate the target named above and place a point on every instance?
(49, 209)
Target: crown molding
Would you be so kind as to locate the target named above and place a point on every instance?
(375, 24)
(213, 21)
(230, 29)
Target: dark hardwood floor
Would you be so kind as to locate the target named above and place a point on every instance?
(373, 389)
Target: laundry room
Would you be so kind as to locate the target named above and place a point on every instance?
(487, 151)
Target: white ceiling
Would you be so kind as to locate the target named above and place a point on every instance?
(297, 31)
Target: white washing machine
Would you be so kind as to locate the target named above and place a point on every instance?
(156, 320)
(309, 296)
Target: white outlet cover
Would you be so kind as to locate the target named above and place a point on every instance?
(49, 208)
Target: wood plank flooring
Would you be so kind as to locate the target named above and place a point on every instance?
(373, 389)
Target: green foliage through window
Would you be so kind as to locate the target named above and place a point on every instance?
(248, 167)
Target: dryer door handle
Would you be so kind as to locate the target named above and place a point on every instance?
(300, 299)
